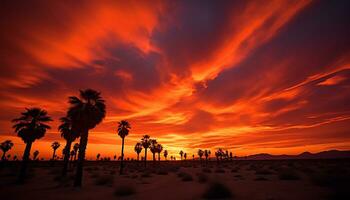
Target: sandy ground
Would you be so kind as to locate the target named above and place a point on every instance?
(261, 180)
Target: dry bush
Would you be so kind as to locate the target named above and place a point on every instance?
(217, 191)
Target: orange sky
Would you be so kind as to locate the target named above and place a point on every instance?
(247, 76)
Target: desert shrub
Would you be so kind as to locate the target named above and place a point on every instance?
(260, 178)
(234, 170)
(202, 178)
(217, 191)
(206, 170)
(104, 180)
(124, 190)
(288, 174)
(187, 177)
(219, 170)
(263, 171)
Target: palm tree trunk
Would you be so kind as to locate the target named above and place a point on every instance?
(53, 155)
(81, 158)
(158, 156)
(25, 159)
(154, 157)
(3, 156)
(138, 156)
(66, 157)
(121, 161)
(145, 157)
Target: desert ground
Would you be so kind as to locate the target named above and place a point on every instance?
(243, 179)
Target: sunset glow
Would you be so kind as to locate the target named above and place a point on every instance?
(246, 76)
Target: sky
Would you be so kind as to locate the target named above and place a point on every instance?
(246, 76)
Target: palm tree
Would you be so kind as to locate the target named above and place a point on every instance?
(85, 112)
(98, 156)
(35, 154)
(185, 155)
(153, 148)
(75, 148)
(200, 154)
(30, 127)
(159, 149)
(55, 146)
(5, 147)
(123, 131)
(138, 149)
(69, 135)
(181, 154)
(165, 154)
(146, 142)
(15, 158)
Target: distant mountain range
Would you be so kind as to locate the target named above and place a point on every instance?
(306, 155)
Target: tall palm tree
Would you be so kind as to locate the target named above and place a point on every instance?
(146, 142)
(55, 146)
(30, 126)
(153, 148)
(159, 148)
(181, 154)
(5, 147)
(138, 149)
(123, 131)
(35, 154)
(85, 112)
(69, 135)
(165, 154)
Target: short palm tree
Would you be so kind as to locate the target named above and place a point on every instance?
(98, 156)
(138, 149)
(165, 154)
(185, 155)
(146, 142)
(181, 154)
(85, 112)
(153, 148)
(35, 154)
(69, 135)
(55, 146)
(159, 149)
(5, 147)
(200, 154)
(30, 126)
(123, 131)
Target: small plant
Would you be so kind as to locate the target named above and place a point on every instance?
(217, 191)
(124, 190)
(187, 177)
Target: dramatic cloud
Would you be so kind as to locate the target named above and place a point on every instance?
(247, 76)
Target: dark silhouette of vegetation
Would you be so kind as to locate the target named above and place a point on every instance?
(217, 191)
(5, 147)
(30, 126)
(75, 148)
(181, 154)
(35, 155)
(153, 148)
(138, 149)
(165, 154)
(185, 156)
(55, 146)
(69, 135)
(85, 112)
(159, 149)
(200, 154)
(98, 156)
(123, 131)
(146, 142)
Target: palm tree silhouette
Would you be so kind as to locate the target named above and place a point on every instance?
(165, 154)
(30, 126)
(200, 154)
(138, 149)
(181, 154)
(146, 142)
(35, 154)
(15, 158)
(5, 147)
(185, 155)
(159, 149)
(85, 112)
(69, 135)
(55, 146)
(153, 148)
(98, 156)
(123, 131)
